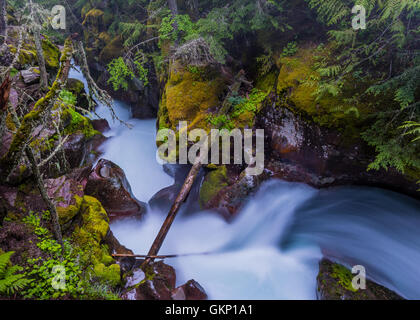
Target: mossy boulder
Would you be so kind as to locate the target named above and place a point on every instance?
(225, 189)
(67, 194)
(213, 183)
(90, 235)
(81, 146)
(28, 55)
(190, 97)
(300, 84)
(77, 87)
(335, 283)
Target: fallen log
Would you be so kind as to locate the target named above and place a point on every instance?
(162, 257)
(182, 196)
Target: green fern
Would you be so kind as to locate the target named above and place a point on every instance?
(10, 282)
(414, 129)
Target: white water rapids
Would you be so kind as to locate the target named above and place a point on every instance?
(272, 250)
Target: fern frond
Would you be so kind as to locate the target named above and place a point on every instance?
(5, 262)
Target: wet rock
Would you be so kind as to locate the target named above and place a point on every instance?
(77, 87)
(108, 183)
(154, 284)
(126, 263)
(101, 125)
(80, 150)
(20, 200)
(335, 283)
(68, 195)
(192, 290)
(158, 283)
(297, 149)
(164, 199)
(14, 98)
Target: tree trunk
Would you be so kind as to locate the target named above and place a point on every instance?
(39, 51)
(3, 21)
(185, 190)
(41, 187)
(23, 135)
(41, 59)
(173, 6)
(193, 6)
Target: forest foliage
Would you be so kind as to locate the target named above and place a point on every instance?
(384, 57)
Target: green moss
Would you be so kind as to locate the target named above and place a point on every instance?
(343, 276)
(66, 214)
(75, 86)
(95, 218)
(94, 20)
(110, 275)
(51, 54)
(215, 181)
(78, 124)
(90, 235)
(302, 89)
(189, 98)
(267, 83)
(28, 55)
(244, 113)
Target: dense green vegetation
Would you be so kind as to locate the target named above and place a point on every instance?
(383, 59)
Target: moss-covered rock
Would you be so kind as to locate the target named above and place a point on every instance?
(77, 123)
(89, 235)
(213, 183)
(335, 283)
(28, 55)
(189, 97)
(300, 85)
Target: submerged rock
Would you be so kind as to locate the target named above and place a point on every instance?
(164, 199)
(335, 283)
(108, 183)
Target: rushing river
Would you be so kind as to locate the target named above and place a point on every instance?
(272, 250)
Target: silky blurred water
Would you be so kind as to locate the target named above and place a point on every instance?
(272, 249)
